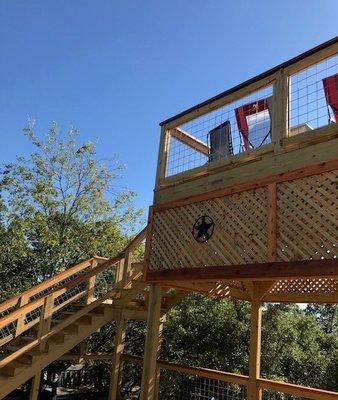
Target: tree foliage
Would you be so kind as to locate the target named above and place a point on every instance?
(59, 206)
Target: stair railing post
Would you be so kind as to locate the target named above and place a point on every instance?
(44, 327)
(21, 320)
(90, 287)
(126, 267)
(45, 319)
(119, 274)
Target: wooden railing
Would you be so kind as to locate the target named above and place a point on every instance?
(37, 305)
(266, 385)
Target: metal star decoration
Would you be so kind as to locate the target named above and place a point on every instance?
(203, 229)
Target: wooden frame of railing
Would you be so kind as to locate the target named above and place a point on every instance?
(95, 265)
(278, 77)
(264, 384)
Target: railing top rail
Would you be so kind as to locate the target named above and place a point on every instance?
(105, 263)
(293, 65)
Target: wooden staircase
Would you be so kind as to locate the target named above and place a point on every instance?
(43, 323)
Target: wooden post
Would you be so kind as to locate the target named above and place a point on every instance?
(280, 110)
(35, 387)
(44, 327)
(126, 268)
(119, 274)
(116, 368)
(152, 345)
(45, 319)
(163, 152)
(91, 285)
(21, 320)
(254, 392)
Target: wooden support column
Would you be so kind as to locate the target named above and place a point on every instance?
(254, 391)
(280, 110)
(150, 373)
(35, 387)
(116, 368)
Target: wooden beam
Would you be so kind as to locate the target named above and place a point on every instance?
(116, 368)
(152, 345)
(189, 140)
(259, 271)
(288, 175)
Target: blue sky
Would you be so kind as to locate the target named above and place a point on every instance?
(115, 69)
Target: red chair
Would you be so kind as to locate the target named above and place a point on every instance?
(331, 94)
(249, 109)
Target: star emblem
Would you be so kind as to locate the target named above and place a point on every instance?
(203, 229)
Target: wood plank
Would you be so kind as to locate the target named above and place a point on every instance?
(259, 271)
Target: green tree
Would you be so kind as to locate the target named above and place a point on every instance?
(59, 206)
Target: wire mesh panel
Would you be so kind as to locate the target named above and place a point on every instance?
(313, 96)
(249, 126)
(181, 386)
(131, 380)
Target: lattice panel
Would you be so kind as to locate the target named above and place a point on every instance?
(307, 218)
(240, 233)
(304, 286)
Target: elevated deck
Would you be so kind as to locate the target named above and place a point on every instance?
(246, 187)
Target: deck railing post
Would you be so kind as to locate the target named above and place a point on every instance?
(254, 391)
(152, 346)
(280, 111)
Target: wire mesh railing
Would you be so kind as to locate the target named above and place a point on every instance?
(246, 123)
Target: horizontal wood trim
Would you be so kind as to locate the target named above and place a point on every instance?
(258, 271)
(254, 184)
(297, 390)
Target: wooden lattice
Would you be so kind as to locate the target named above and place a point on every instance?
(239, 236)
(307, 218)
(313, 286)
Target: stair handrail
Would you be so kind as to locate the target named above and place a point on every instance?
(102, 264)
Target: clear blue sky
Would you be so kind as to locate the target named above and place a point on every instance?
(115, 69)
